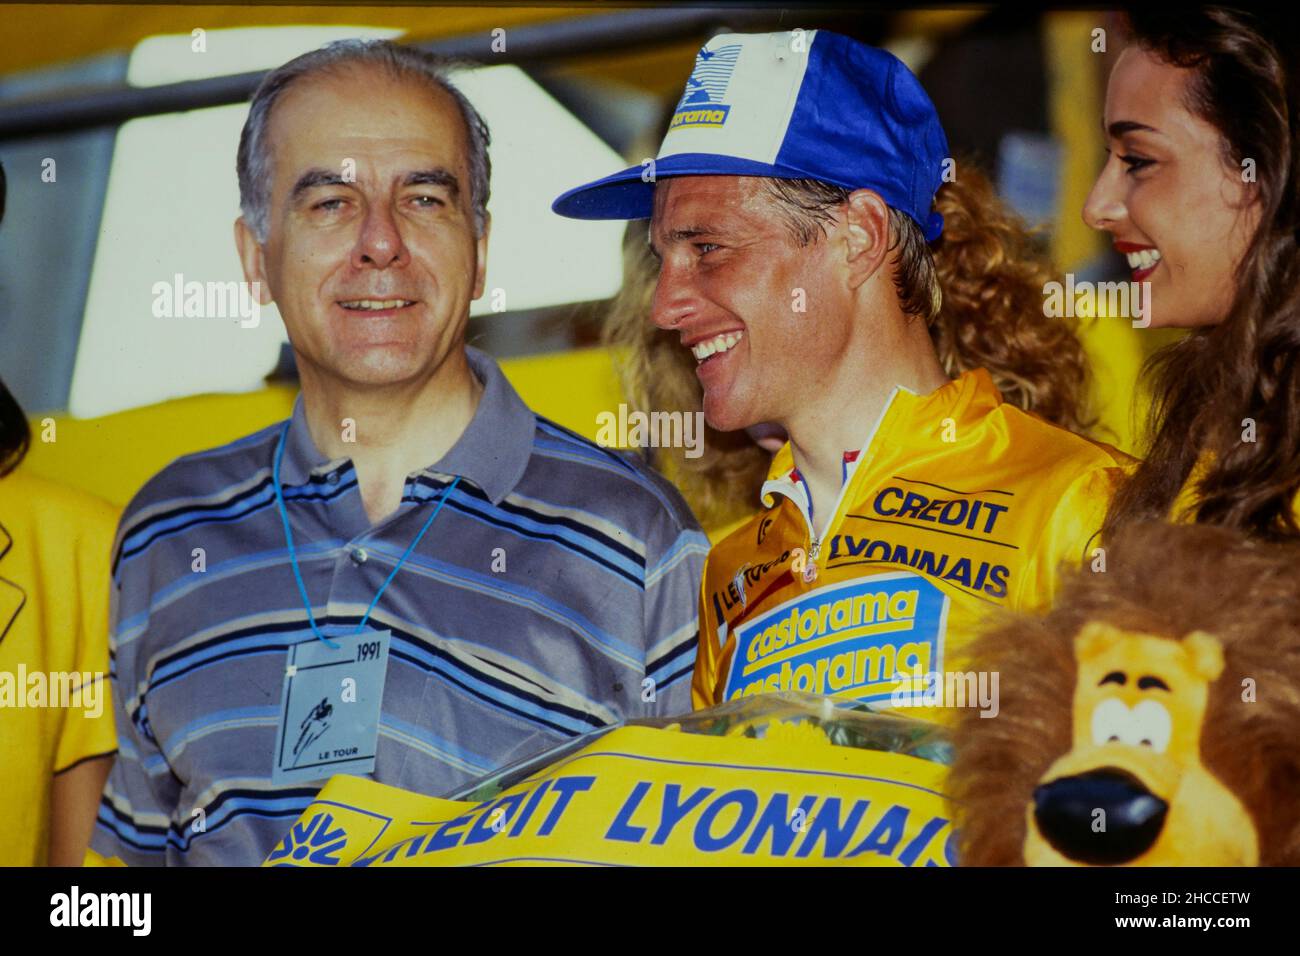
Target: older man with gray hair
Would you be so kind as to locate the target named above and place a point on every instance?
(414, 578)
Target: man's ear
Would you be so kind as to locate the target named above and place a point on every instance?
(481, 248)
(253, 262)
(866, 220)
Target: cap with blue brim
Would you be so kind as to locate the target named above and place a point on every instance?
(794, 105)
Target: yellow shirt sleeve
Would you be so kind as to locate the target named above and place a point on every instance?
(89, 731)
(1071, 537)
(55, 547)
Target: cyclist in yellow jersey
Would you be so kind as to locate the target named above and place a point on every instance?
(791, 207)
(955, 503)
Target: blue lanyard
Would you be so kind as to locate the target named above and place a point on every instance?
(293, 554)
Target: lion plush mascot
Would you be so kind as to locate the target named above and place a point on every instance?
(1151, 718)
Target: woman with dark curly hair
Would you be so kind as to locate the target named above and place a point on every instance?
(1200, 191)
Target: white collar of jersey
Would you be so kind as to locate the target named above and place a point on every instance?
(789, 482)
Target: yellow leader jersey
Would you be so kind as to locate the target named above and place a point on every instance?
(955, 504)
(55, 711)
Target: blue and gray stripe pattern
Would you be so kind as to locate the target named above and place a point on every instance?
(556, 580)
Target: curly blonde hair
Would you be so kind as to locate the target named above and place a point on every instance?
(992, 275)
(979, 289)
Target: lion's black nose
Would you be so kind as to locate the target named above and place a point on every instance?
(1066, 813)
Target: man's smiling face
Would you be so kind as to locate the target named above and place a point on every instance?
(767, 319)
(374, 277)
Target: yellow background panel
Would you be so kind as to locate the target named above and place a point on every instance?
(113, 456)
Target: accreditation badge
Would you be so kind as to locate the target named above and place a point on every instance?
(329, 707)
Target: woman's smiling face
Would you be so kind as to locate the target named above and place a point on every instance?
(1181, 215)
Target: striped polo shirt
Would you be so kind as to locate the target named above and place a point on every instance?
(553, 594)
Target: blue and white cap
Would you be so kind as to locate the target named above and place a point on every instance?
(792, 105)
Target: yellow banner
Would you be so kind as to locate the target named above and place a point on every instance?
(651, 797)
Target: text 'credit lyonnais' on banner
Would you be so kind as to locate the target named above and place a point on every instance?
(647, 796)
